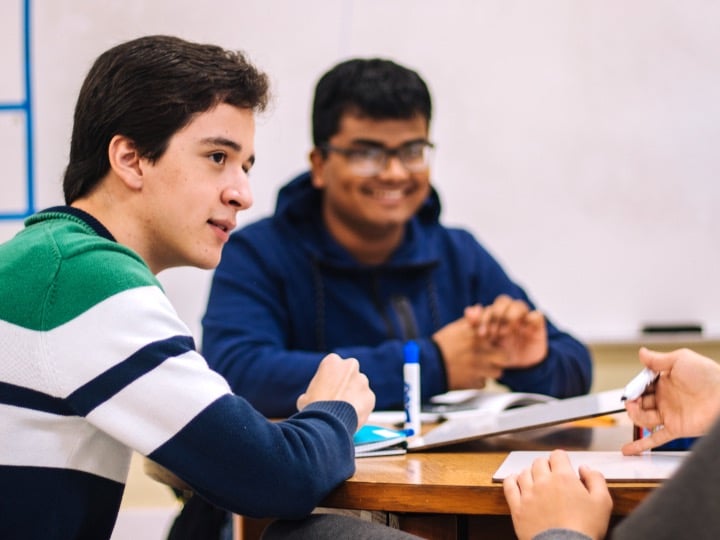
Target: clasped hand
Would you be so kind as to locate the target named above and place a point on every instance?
(489, 339)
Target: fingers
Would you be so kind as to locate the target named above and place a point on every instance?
(540, 468)
(643, 413)
(512, 491)
(539, 471)
(525, 479)
(535, 319)
(647, 402)
(339, 379)
(504, 315)
(496, 319)
(656, 438)
(473, 314)
(634, 448)
(594, 480)
(559, 462)
(550, 495)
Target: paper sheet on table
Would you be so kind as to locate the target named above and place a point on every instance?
(647, 467)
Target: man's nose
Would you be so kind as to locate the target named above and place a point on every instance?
(239, 194)
(394, 168)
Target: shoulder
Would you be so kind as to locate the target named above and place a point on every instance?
(83, 270)
(453, 237)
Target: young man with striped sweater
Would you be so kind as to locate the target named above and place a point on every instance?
(96, 362)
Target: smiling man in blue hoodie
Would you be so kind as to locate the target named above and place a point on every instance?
(354, 237)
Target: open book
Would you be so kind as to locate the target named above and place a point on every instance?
(463, 403)
(373, 440)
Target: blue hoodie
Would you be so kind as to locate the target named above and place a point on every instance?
(286, 293)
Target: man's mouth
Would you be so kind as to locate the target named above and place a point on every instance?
(387, 194)
(224, 226)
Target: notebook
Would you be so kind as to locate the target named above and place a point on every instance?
(371, 440)
(557, 411)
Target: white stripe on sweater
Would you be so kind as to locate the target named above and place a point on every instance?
(63, 442)
(148, 412)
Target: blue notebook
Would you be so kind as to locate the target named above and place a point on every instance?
(373, 440)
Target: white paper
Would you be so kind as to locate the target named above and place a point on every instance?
(614, 466)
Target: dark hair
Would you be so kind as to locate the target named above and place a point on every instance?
(372, 87)
(147, 89)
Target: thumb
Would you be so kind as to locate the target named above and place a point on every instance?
(657, 361)
(301, 402)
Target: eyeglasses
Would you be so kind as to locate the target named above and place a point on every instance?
(372, 160)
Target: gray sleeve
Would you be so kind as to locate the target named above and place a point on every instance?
(686, 505)
(561, 534)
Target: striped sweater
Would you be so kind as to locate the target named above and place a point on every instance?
(96, 363)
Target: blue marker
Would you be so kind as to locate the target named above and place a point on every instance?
(411, 387)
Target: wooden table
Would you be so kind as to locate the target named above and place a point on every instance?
(448, 493)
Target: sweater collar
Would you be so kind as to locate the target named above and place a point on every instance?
(76, 214)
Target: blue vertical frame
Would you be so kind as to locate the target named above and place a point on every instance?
(25, 107)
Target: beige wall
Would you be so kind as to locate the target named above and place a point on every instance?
(615, 363)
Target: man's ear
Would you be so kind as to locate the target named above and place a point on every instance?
(125, 161)
(317, 167)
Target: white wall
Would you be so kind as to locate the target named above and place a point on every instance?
(579, 139)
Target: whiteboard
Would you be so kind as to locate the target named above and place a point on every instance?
(579, 140)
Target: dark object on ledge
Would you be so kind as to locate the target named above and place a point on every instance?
(672, 328)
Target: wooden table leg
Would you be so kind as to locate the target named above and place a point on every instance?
(496, 527)
(435, 526)
(245, 528)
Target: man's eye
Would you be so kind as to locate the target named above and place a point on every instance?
(218, 157)
(413, 150)
(364, 153)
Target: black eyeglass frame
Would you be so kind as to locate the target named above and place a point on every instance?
(386, 153)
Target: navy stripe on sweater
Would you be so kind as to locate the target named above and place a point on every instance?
(27, 398)
(101, 388)
(106, 385)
